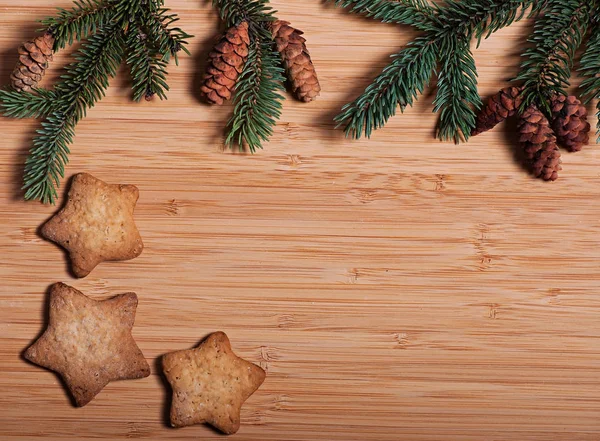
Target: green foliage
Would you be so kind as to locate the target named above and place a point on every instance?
(138, 31)
(398, 85)
(255, 12)
(77, 23)
(589, 68)
(167, 39)
(28, 104)
(417, 13)
(257, 103)
(556, 36)
(447, 29)
(480, 18)
(457, 95)
(444, 47)
(148, 69)
(83, 84)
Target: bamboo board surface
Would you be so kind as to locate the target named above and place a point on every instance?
(394, 289)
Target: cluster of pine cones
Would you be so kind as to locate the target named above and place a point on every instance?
(227, 60)
(538, 136)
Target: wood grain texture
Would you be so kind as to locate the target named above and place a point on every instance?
(394, 289)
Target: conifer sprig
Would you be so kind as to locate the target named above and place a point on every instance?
(255, 12)
(589, 68)
(258, 102)
(417, 13)
(36, 104)
(457, 97)
(556, 37)
(449, 29)
(481, 18)
(258, 98)
(138, 31)
(168, 40)
(77, 23)
(398, 85)
(83, 84)
(148, 68)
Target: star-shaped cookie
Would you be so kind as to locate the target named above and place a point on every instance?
(89, 342)
(210, 383)
(96, 224)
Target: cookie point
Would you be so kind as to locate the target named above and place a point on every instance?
(30, 353)
(59, 285)
(131, 297)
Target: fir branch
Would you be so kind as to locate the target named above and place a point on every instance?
(398, 84)
(589, 69)
(255, 12)
(140, 29)
(82, 85)
(468, 19)
(480, 18)
(75, 24)
(166, 39)
(417, 13)
(36, 104)
(457, 95)
(556, 36)
(258, 102)
(148, 68)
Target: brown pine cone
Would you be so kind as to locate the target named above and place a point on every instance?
(499, 107)
(569, 121)
(539, 142)
(225, 64)
(34, 57)
(296, 58)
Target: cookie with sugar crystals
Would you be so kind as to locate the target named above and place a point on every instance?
(89, 342)
(96, 224)
(210, 383)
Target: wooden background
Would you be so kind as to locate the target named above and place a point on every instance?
(394, 289)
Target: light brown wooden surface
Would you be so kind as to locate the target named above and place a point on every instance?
(394, 289)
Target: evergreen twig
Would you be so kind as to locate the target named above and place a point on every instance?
(77, 23)
(28, 104)
(457, 97)
(589, 68)
(148, 69)
(139, 31)
(258, 103)
(417, 13)
(255, 12)
(556, 37)
(446, 41)
(167, 39)
(398, 85)
(83, 84)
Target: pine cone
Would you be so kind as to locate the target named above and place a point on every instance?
(539, 142)
(225, 64)
(296, 58)
(499, 107)
(569, 121)
(34, 57)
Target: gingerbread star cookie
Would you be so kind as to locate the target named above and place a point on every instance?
(210, 383)
(96, 224)
(89, 342)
